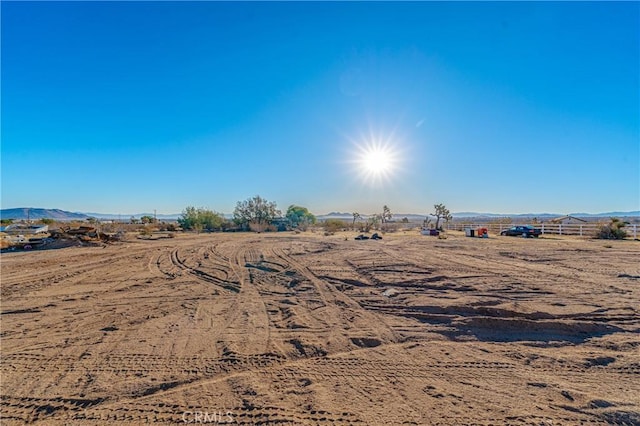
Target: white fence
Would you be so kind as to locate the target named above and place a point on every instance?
(584, 230)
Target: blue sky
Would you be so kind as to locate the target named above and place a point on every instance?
(125, 107)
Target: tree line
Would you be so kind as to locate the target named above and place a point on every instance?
(255, 214)
(258, 214)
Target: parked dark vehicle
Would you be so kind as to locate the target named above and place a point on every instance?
(361, 237)
(522, 231)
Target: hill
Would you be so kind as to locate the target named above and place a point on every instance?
(24, 213)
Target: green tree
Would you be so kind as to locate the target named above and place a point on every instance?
(147, 219)
(441, 213)
(47, 221)
(200, 218)
(210, 220)
(197, 226)
(5, 222)
(299, 217)
(255, 213)
(188, 218)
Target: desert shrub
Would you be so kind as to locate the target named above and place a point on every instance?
(612, 230)
(334, 225)
(171, 235)
(391, 227)
(364, 227)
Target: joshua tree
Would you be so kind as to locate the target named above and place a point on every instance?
(441, 213)
(356, 216)
(386, 214)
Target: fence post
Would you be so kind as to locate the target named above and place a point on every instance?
(543, 229)
(581, 230)
(635, 231)
(559, 229)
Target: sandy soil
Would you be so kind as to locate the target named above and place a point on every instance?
(307, 329)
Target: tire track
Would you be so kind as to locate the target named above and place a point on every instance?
(202, 275)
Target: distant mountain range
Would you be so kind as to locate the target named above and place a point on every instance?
(24, 213)
(109, 216)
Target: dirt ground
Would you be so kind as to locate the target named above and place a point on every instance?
(308, 329)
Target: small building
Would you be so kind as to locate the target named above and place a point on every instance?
(568, 220)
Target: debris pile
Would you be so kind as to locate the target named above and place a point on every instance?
(86, 234)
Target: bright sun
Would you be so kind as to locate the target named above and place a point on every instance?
(376, 162)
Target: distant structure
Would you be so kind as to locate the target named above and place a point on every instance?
(568, 220)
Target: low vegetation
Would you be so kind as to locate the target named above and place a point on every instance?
(334, 225)
(614, 230)
(299, 217)
(197, 219)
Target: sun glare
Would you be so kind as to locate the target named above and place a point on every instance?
(376, 162)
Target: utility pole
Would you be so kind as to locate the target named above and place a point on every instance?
(155, 219)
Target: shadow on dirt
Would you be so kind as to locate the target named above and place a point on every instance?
(514, 330)
(491, 324)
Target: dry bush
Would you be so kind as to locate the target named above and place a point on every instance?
(392, 227)
(612, 230)
(334, 225)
